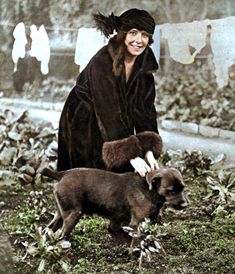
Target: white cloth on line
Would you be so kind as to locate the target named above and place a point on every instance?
(89, 41)
(40, 47)
(223, 47)
(156, 46)
(182, 35)
(18, 50)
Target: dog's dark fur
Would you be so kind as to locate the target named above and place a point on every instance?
(125, 199)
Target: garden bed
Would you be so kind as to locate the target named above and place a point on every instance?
(190, 94)
(199, 239)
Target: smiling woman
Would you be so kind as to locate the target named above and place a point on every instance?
(109, 118)
(136, 42)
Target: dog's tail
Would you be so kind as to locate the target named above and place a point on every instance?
(57, 175)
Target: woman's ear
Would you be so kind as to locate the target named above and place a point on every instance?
(152, 177)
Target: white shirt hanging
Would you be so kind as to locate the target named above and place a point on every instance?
(40, 47)
(156, 46)
(223, 47)
(89, 41)
(181, 36)
(18, 50)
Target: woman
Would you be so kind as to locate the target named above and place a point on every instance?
(109, 118)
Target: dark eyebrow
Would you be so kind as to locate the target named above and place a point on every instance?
(145, 32)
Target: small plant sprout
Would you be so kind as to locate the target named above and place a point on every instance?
(148, 245)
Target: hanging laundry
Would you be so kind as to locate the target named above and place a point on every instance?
(181, 36)
(156, 42)
(89, 41)
(18, 50)
(40, 47)
(223, 47)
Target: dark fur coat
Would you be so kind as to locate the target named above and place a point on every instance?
(97, 123)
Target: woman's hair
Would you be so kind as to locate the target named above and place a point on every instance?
(117, 49)
(133, 18)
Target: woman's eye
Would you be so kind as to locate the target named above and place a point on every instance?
(145, 35)
(133, 33)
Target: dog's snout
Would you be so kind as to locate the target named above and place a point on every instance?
(180, 205)
(184, 204)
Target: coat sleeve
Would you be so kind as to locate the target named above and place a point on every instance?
(145, 113)
(147, 136)
(118, 153)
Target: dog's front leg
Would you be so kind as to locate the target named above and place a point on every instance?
(114, 226)
(133, 224)
(133, 243)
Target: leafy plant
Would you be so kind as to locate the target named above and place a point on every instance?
(223, 187)
(191, 162)
(148, 245)
(196, 161)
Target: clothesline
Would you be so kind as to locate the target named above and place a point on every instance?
(56, 53)
(47, 28)
(76, 29)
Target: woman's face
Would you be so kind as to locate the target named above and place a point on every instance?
(136, 41)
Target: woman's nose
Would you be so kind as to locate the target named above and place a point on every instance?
(138, 38)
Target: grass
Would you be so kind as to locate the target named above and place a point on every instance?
(200, 246)
(197, 240)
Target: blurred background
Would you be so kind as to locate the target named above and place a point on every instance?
(181, 89)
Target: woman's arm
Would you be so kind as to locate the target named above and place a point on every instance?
(145, 116)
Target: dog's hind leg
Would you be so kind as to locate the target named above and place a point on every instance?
(56, 222)
(70, 219)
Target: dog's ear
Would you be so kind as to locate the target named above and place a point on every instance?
(152, 177)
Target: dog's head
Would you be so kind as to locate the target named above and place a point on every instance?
(168, 182)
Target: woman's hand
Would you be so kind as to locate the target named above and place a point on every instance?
(140, 166)
(151, 160)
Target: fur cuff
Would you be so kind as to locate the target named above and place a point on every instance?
(119, 152)
(150, 140)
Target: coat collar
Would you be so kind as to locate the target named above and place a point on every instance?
(147, 61)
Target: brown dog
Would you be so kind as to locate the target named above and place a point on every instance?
(125, 199)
